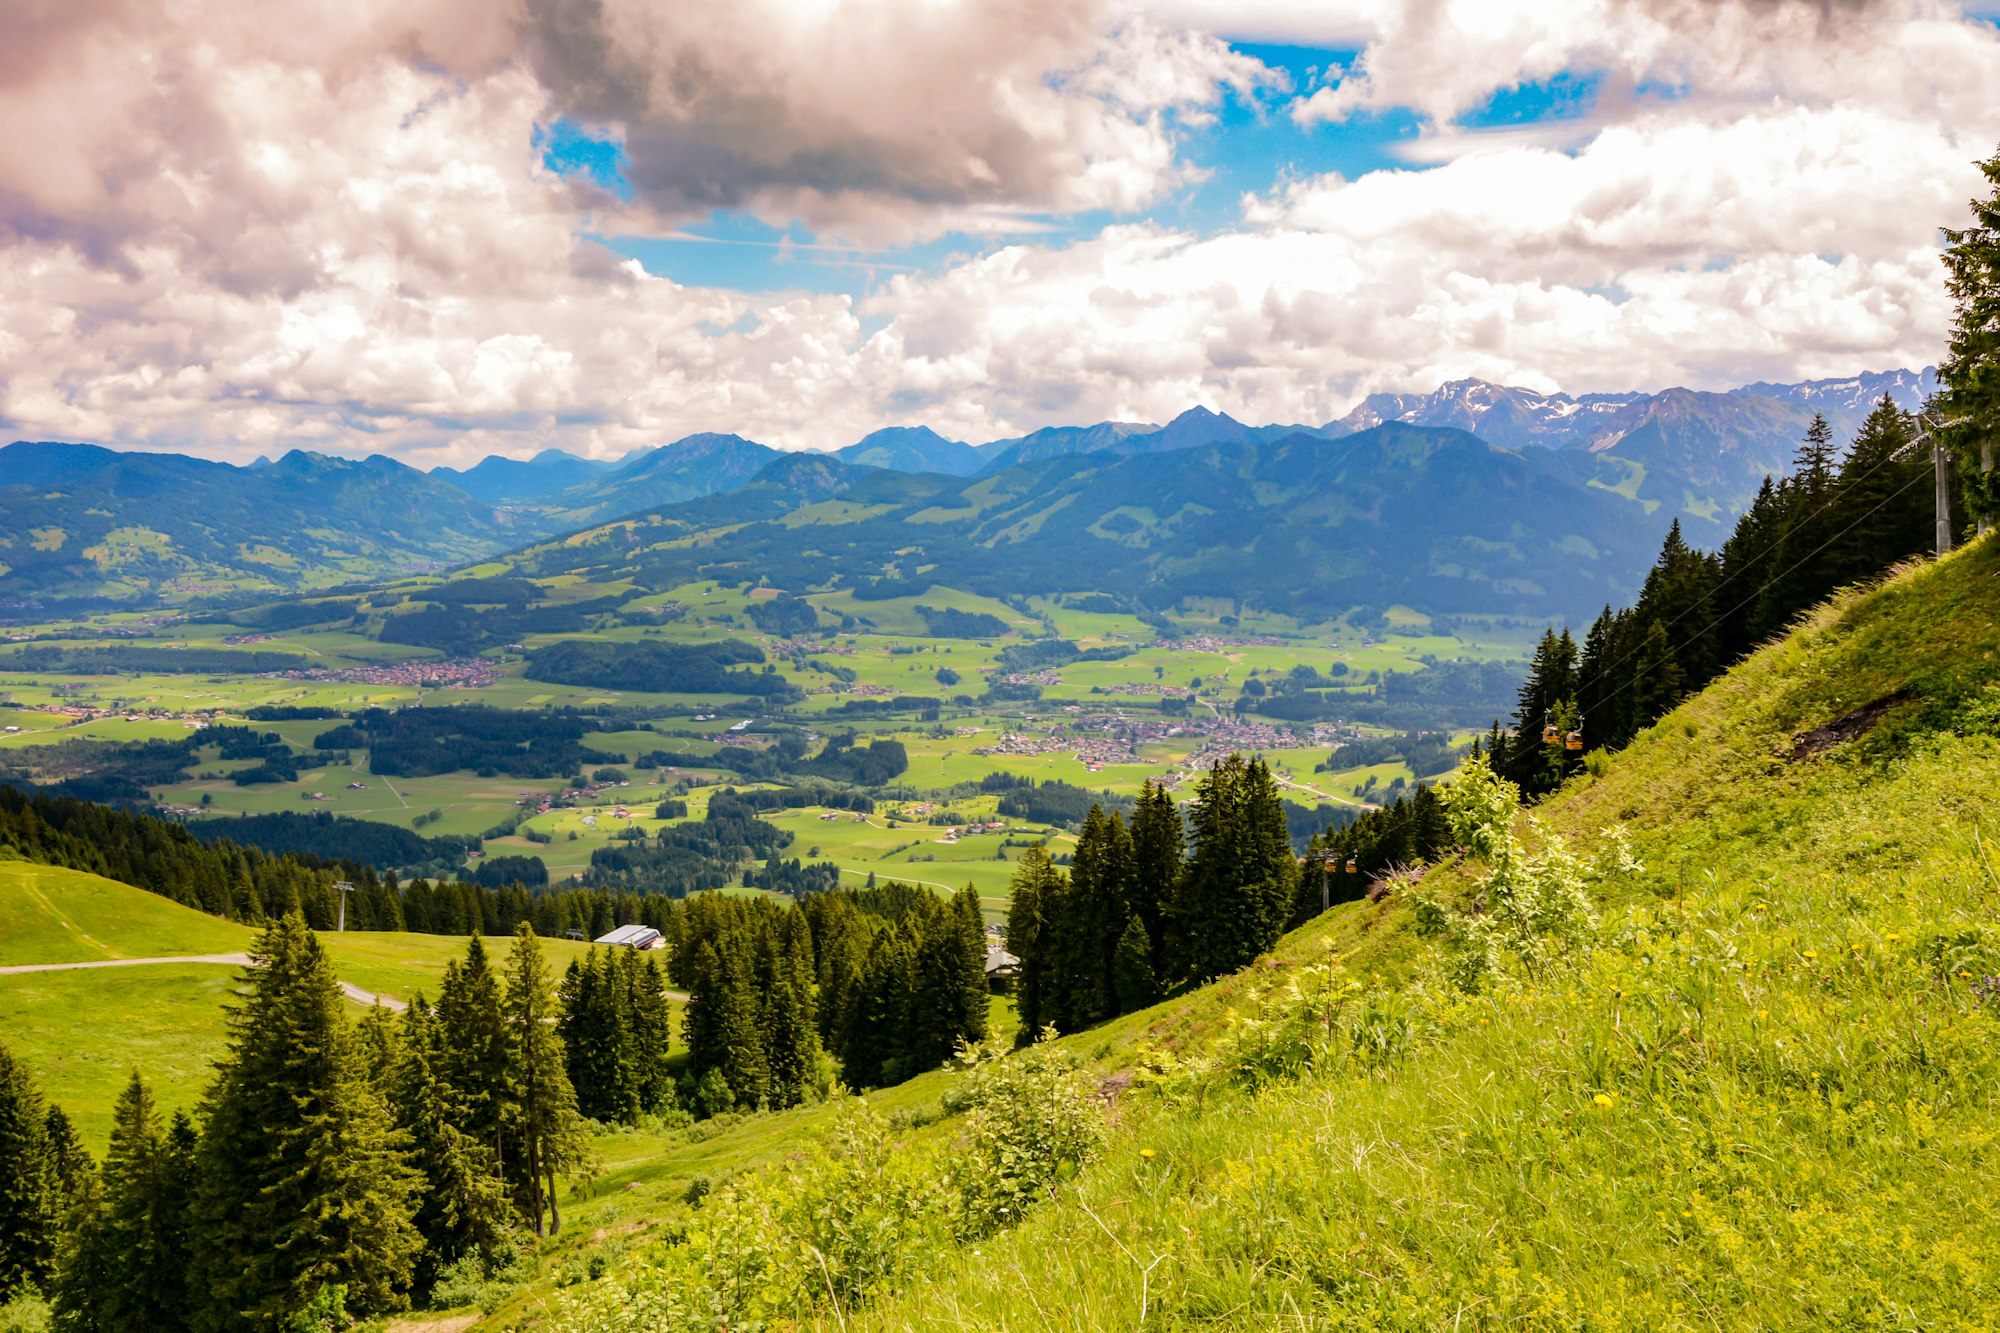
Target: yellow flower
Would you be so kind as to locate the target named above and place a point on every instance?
(1148, 1154)
(1605, 1100)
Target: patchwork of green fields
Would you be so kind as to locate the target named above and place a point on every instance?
(882, 648)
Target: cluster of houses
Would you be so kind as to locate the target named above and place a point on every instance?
(454, 673)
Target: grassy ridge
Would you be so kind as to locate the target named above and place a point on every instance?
(1762, 1096)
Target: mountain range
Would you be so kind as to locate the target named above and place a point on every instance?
(86, 524)
(1432, 517)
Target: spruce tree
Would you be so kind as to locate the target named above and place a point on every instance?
(1970, 370)
(550, 1134)
(1886, 507)
(791, 1033)
(1242, 877)
(461, 1205)
(1132, 969)
(651, 1031)
(1033, 886)
(1159, 846)
(1656, 679)
(965, 947)
(875, 1050)
(474, 1054)
(129, 1269)
(302, 1182)
(28, 1216)
(745, 1061)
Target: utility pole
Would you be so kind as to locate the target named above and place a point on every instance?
(343, 888)
(1941, 467)
(1941, 463)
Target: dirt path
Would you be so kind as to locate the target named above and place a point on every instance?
(347, 988)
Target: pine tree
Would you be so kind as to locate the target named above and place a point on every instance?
(1242, 877)
(1813, 465)
(1887, 510)
(1534, 765)
(651, 1031)
(129, 1265)
(874, 1052)
(1034, 892)
(1656, 679)
(739, 1021)
(461, 1205)
(1970, 370)
(1159, 847)
(302, 1182)
(791, 1034)
(1746, 568)
(474, 1054)
(28, 1216)
(965, 947)
(69, 1164)
(550, 1133)
(1132, 969)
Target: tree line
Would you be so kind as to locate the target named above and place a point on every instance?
(1836, 520)
(1153, 903)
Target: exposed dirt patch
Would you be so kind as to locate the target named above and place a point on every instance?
(1850, 726)
(454, 1324)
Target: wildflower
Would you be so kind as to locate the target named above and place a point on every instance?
(1811, 957)
(1605, 1099)
(1148, 1154)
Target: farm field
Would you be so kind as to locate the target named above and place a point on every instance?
(1100, 725)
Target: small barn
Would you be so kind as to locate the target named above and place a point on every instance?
(633, 937)
(1001, 968)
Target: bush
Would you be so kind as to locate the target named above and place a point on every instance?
(1032, 1123)
(25, 1312)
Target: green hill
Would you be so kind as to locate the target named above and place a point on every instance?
(49, 914)
(1753, 1085)
(85, 1030)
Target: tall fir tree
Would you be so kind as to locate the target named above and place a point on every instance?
(873, 1048)
(1034, 894)
(791, 1035)
(302, 1182)
(28, 1212)
(474, 1049)
(1887, 507)
(461, 1204)
(553, 1142)
(1132, 979)
(129, 1265)
(1970, 371)
(1159, 849)
(1242, 879)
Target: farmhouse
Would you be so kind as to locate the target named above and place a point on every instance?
(634, 937)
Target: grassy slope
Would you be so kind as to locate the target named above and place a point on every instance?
(52, 915)
(83, 1032)
(1757, 1102)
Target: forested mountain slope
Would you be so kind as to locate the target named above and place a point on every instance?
(79, 522)
(1433, 518)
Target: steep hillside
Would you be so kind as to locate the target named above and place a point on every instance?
(78, 522)
(1739, 1071)
(1400, 514)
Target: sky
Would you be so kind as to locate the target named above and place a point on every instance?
(441, 229)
